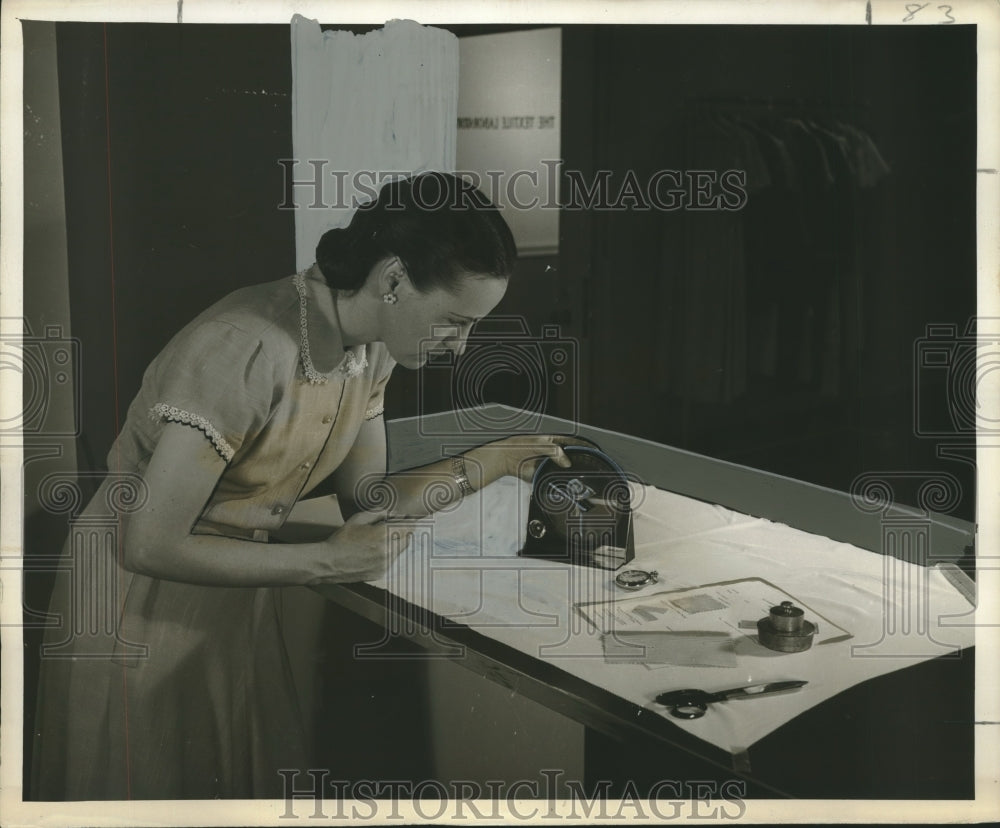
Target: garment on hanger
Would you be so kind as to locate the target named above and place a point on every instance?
(781, 272)
(714, 289)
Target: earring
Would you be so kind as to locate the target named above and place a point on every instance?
(390, 298)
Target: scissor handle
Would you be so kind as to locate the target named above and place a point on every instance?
(688, 711)
(685, 704)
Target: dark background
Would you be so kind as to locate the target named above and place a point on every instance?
(198, 116)
(174, 131)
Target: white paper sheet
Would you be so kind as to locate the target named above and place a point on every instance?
(731, 607)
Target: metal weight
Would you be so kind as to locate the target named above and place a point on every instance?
(785, 629)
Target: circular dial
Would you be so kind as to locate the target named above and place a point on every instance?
(635, 578)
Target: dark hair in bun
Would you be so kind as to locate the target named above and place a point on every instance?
(439, 226)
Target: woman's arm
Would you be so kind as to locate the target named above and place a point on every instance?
(181, 477)
(361, 481)
(365, 463)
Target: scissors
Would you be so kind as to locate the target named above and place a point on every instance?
(692, 704)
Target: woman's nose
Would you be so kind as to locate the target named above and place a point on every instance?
(458, 344)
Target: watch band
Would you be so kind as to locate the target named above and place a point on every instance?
(461, 478)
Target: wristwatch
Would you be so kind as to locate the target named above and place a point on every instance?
(634, 579)
(461, 478)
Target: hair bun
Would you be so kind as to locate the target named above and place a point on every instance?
(336, 256)
(437, 224)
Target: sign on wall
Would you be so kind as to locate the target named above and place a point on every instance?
(508, 128)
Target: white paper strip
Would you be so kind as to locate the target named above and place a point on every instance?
(364, 106)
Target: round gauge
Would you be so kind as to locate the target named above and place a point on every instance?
(580, 513)
(636, 578)
(592, 492)
(536, 529)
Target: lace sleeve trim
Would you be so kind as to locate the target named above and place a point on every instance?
(377, 411)
(162, 411)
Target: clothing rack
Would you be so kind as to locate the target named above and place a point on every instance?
(804, 302)
(854, 112)
(767, 112)
(780, 103)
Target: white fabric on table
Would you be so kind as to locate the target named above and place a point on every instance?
(464, 565)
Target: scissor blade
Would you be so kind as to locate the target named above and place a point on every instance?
(754, 690)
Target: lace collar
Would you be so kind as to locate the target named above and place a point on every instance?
(355, 360)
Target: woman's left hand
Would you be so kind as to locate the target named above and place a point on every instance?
(517, 456)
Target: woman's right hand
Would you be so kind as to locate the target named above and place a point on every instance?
(363, 549)
(516, 456)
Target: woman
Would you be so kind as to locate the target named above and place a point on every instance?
(263, 396)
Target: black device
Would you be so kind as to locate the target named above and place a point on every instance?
(582, 514)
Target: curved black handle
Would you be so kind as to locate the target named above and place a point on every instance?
(685, 704)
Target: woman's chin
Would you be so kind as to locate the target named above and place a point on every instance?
(412, 361)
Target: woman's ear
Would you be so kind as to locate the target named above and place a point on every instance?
(393, 277)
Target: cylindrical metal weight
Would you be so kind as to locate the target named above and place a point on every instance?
(785, 629)
(787, 617)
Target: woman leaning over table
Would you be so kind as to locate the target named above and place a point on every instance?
(267, 393)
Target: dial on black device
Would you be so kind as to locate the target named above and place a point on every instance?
(582, 514)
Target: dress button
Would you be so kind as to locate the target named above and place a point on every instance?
(306, 465)
(277, 510)
(328, 419)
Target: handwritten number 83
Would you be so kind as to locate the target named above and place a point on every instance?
(913, 8)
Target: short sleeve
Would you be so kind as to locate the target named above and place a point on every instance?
(216, 378)
(376, 399)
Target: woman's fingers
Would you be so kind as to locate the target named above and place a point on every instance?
(557, 441)
(562, 458)
(402, 542)
(367, 518)
(530, 456)
(520, 455)
(558, 455)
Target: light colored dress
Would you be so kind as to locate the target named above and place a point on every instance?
(192, 696)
